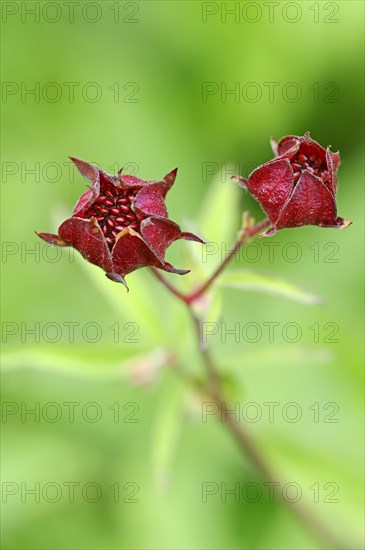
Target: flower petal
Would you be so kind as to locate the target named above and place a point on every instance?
(151, 199)
(159, 234)
(311, 203)
(271, 185)
(117, 279)
(87, 237)
(170, 178)
(342, 223)
(304, 144)
(333, 162)
(98, 177)
(286, 143)
(85, 168)
(131, 252)
(171, 269)
(90, 196)
(335, 157)
(274, 146)
(133, 181)
(191, 237)
(86, 200)
(268, 233)
(54, 240)
(242, 182)
(310, 147)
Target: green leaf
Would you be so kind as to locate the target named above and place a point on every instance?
(101, 361)
(285, 356)
(249, 279)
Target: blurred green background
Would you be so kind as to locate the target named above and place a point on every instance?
(138, 71)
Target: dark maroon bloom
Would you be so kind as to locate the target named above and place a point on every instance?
(298, 187)
(121, 223)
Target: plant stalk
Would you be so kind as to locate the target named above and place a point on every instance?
(243, 438)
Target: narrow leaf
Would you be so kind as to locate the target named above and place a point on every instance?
(78, 361)
(247, 279)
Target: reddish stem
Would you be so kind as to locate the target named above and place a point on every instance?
(246, 235)
(157, 273)
(243, 437)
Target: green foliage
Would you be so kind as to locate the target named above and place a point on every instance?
(168, 55)
(248, 279)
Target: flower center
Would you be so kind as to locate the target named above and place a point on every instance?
(313, 164)
(113, 211)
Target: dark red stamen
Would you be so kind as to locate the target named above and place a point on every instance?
(114, 212)
(313, 164)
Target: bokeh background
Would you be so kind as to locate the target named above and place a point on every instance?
(122, 83)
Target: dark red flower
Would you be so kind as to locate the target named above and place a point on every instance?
(298, 187)
(121, 223)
